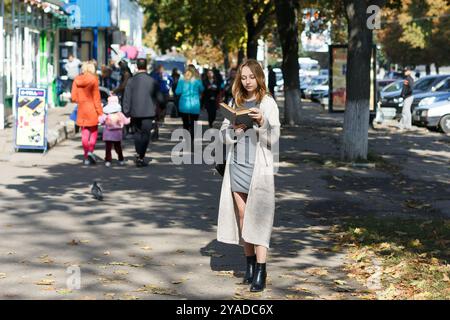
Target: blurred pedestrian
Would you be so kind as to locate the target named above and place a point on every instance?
(86, 94)
(176, 99)
(113, 120)
(164, 83)
(229, 85)
(72, 68)
(189, 89)
(106, 80)
(211, 96)
(125, 75)
(140, 100)
(272, 81)
(408, 98)
(115, 71)
(218, 76)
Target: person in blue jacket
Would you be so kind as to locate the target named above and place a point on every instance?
(189, 89)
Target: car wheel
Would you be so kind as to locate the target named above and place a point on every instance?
(445, 123)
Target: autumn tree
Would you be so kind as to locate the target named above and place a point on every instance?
(416, 32)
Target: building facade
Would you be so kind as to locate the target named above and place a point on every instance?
(28, 44)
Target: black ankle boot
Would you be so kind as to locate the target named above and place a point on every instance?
(259, 279)
(251, 262)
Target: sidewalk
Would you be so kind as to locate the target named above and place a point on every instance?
(154, 235)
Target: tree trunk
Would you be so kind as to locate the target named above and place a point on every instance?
(428, 69)
(436, 66)
(356, 117)
(252, 48)
(226, 58)
(252, 40)
(287, 21)
(241, 55)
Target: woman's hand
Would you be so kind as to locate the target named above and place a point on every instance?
(257, 116)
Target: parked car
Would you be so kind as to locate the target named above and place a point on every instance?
(280, 81)
(390, 95)
(381, 84)
(317, 84)
(324, 72)
(435, 115)
(319, 91)
(440, 92)
(304, 84)
(324, 100)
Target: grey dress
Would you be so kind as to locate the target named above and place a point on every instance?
(243, 158)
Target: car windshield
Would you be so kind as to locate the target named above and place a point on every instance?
(305, 80)
(424, 84)
(396, 86)
(317, 81)
(279, 76)
(443, 85)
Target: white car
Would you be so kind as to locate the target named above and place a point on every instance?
(317, 84)
(436, 115)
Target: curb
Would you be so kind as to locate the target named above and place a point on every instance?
(63, 131)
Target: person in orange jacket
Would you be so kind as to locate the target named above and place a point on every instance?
(86, 94)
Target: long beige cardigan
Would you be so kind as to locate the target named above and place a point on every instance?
(260, 207)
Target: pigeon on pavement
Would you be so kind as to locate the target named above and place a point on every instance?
(97, 191)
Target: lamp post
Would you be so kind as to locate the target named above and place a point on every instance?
(2, 66)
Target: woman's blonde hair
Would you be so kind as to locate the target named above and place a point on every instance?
(88, 67)
(191, 72)
(239, 91)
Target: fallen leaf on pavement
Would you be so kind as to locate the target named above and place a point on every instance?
(225, 273)
(340, 282)
(73, 242)
(64, 291)
(179, 281)
(416, 243)
(157, 290)
(317, 271)
(122, 272)
(46, 259)
(2, 275)
(126, 264)
(45, 282)
(300, 289)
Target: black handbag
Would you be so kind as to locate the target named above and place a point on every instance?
(220, 167)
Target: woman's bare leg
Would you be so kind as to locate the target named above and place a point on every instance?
(261, 254)
(241, 199)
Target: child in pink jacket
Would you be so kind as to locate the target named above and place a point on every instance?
(113, 120)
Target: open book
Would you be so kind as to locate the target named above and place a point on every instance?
(237, 116)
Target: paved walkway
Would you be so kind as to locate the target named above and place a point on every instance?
(154, 235)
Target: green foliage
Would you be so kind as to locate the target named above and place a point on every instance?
(181, 21)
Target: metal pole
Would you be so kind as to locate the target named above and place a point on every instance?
(13, 55)
(2, 65)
